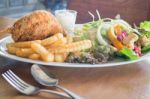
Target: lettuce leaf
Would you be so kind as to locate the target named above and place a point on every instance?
(130, 54)
(91, 25)
(145, 28)
(146, 49)
(145, 25)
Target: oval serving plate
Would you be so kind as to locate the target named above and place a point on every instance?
(8, 39)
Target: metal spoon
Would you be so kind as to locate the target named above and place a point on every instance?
(42, 76)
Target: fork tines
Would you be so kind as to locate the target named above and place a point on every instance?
(24, 87)
(14, 80)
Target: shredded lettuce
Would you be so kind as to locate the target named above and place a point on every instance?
(91, 25)
(104, 33)
(146, 33)
(89, 31)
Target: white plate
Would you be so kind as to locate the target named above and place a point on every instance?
(8, 39)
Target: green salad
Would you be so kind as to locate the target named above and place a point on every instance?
(112, 39)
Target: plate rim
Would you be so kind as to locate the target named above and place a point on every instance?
(58, 64)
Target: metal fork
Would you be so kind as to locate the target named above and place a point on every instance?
(26, 88)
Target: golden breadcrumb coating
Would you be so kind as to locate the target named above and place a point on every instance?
(37, 25)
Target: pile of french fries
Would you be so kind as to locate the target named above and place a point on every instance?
(53, 49)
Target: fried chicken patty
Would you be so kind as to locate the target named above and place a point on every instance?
(35, 26)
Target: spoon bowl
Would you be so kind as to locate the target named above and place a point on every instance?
(42, 76)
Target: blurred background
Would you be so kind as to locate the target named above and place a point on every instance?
(17, 8)
(133, 11)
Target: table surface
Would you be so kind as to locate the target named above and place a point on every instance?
(121, 82)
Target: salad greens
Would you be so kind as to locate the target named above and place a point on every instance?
(130, 54)
(145, 25)
(146, 49)
(145, 28)
(89, 32)
(91, 25)
(97, 32)
(112, 38)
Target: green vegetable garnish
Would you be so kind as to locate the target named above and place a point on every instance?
(104, 33)
(89, 31)
(91, 25)
(145, 25)
(130, 54)
(146, 49)
(145, 28)
(146, 33)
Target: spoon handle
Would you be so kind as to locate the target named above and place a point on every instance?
(55, 93)
(70, 93)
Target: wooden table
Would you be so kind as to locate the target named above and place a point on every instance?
(120, 82)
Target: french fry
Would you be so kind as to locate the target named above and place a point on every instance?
(25, 52)
(26, 44)
(77, 38)
(65, 55)
(52, 39)
(34, 56)
(72, 47)
(45, 55)
(69, 39)
(58, 43)
(60, 57)
(55, 48)
(20, 54)
(12, 50)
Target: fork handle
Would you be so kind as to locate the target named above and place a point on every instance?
(55, 93)
(70, 93)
